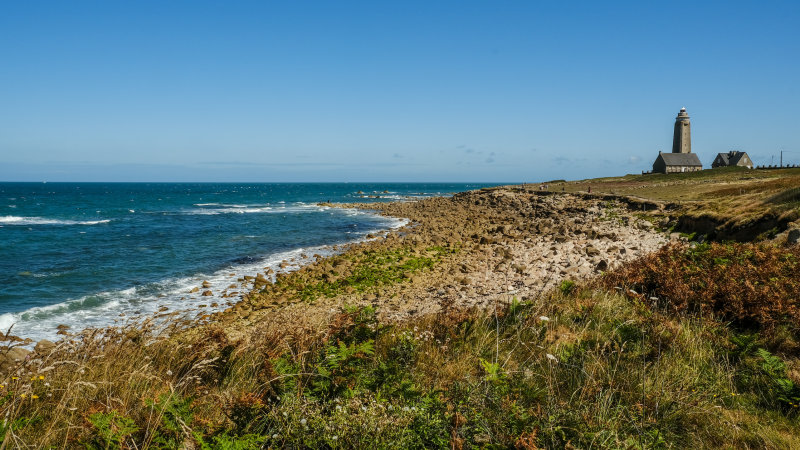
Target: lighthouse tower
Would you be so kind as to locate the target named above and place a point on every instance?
(682, 139)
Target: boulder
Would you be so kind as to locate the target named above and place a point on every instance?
(206, 284)
(793, 236)
(11, 357)
(207, 293)
(44, 347)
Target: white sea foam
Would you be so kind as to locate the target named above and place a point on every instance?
(6, 321)
(223, 205)
(114, 307)
(254, 209)
(17, 220)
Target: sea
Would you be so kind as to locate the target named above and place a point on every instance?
(100, 254)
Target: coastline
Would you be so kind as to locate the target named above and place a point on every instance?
(501, 243)
(482, 321)
(187, 298)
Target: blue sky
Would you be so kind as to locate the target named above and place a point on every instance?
(388, 91)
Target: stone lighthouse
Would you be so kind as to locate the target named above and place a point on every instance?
(681, 159)
(682, 138)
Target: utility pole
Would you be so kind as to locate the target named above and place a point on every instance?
(781, 158)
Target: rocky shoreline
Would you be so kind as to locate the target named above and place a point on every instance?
(503, 243)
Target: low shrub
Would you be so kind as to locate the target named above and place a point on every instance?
(755, 287)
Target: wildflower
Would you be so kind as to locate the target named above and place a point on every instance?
(544, 318)
(405, 408)
(15, 378)
(169, 372)
(41, 377)
(285, 415)
(363, 408)
(551, 357)
(23, 395)
(34, 396)
(338, 407)
(275, 436)
(334, 437)
(302, 421)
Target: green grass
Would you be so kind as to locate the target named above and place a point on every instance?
(373, 269)
(582, 367)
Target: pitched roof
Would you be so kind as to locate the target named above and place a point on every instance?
(681, 159)
(735, 157)
(731, 158)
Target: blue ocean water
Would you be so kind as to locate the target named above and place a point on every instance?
(87, 254)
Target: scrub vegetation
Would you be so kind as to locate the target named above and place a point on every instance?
(675, 351)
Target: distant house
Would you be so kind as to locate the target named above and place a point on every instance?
(676, 163)
(732, 158)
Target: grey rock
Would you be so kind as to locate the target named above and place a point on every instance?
(591, 251)
(793, 236)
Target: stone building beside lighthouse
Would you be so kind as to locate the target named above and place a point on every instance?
(681, 159)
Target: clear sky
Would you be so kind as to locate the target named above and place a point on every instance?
(493, 91)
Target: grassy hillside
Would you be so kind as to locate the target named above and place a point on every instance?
(631, 361)
(730, 198)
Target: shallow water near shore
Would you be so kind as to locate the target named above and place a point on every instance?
(90, 254)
